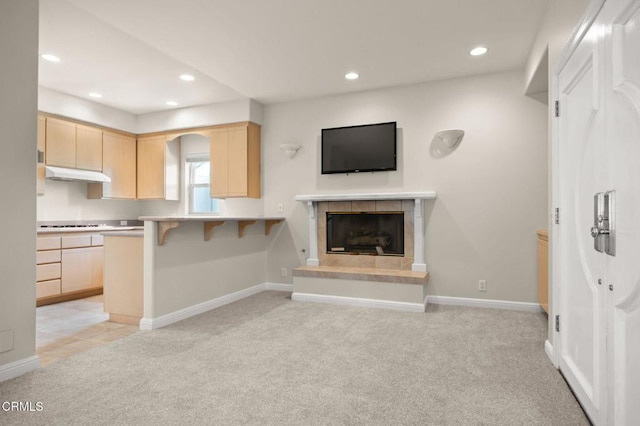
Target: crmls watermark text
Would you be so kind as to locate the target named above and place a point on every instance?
(22, 406)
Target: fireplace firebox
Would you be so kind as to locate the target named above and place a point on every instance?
(369, 233)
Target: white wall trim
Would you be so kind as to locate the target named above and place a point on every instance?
(548, 348)
(19, 367)
(279, 287)
(164, 320)
(485, 303)
(354, 301)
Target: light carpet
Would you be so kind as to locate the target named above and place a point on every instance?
(268, 360)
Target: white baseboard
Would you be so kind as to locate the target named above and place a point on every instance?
(485, 303)
(279, 287)
(548, 348)
(18, 368)
(164, 320)
(354, 301)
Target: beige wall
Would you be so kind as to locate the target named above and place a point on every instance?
(491, 191)
(18, 121)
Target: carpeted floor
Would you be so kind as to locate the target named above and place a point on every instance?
(268, 360)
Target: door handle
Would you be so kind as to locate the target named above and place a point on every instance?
(598, 230)
(603, 230)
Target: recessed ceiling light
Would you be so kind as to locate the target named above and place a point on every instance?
(187, 77)
(480, 50)
(49, 57)
(351, 75)
(172, 103)
(95, 95)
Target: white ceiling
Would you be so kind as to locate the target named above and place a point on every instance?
(132, 51)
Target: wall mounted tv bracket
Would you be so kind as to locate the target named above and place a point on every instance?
(603, 230)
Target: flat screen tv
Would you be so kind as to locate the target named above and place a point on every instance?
(367, 148)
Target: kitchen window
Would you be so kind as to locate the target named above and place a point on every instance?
(198, 193)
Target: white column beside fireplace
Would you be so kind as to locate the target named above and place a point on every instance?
(418, 199)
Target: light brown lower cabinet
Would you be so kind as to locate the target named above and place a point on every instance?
(68, 266)
(82, 269)
(543, 270)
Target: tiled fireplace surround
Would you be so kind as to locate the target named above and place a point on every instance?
(411, 203)
(390, 282)
(366, 261)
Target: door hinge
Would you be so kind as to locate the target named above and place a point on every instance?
(557, 108)
(557, 216)
(558, 323)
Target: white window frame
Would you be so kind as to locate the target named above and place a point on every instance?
(189, 187)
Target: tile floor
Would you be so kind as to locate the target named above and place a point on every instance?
(69, 328)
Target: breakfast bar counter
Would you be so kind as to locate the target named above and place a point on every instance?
(166, 223)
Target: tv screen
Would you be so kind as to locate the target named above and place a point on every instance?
(367, 148)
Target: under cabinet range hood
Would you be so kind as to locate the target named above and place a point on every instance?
(62, 173)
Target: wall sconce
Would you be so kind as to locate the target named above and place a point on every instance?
(450, 137)
(291, 149)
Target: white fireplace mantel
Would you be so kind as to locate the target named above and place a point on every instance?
(418, 226)
(428, 195)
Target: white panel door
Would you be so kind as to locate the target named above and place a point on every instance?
(623, 269)
(599, 151)
(583, 324)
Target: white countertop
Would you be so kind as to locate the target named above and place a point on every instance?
(88, 229)
(206, 218)
(133, 233)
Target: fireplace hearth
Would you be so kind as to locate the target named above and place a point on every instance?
(366, 233)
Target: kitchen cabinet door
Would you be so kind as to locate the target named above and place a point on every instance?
(60, 143)
(81, 269)
(218, 157)
(235, 161)
(119, 163)
(88, 148)
(151, 167)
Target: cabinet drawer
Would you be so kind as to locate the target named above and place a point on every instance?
(48, 256)
(47, 243)
(47, 288)
(76, 241)
(97, 240)
(49, 271)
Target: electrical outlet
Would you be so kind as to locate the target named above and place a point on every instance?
(123, 223)
(280, 207)
(283, 272)
(482, 285)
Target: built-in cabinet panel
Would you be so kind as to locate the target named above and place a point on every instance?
(158, 168)
(235, 161)
(123, 278)
(543, 270)
(119, 163)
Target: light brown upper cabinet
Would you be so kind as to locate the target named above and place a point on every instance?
(88, 148)
(119, 163)
(42, 128)
(235, 161)
(158, 168)
(73, 145)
